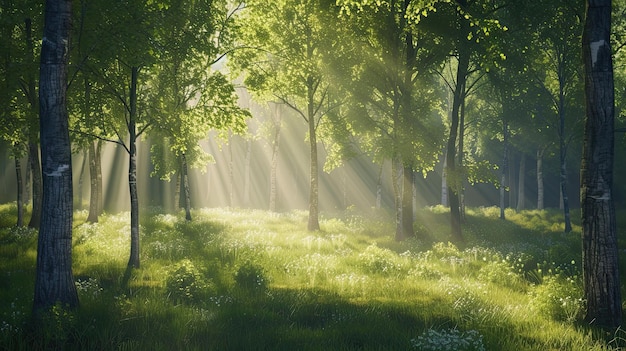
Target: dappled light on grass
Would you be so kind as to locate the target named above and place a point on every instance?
(250, 279)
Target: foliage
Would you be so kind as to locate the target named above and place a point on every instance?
(185, 283)
(449, 340)
(251, 277)
(247, 279)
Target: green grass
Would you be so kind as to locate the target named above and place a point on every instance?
(254, 280)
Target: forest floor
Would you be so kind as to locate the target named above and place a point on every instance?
(235, 279)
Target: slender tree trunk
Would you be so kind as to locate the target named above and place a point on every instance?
(313, 192)
(100, 198)
(444, 182)
(505, 166)
(177, 190)
(459, 92)
(396, 178)
(33, 144)
(54, 281)
(231, 171)
(600, 251)
(276, 121)
(133, 261)
(511, 179)
(20, 197)
(81, 176)
(344, 186)
(246, 184)
(185, 176)
(28, 183)
(521, 179)
(93, 182)
(540, 190)
(407, 203)
(35, 171)
(460, 156)
(379, 186)
(563, 154)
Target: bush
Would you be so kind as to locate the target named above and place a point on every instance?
(380, 261)
(185, 284)
(559, 297)
(251, 277)
(449, 340)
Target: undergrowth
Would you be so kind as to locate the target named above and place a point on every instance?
(253, 280)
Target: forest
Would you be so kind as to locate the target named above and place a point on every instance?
(312, 174)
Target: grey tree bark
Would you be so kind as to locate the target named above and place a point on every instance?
(54, 281)
(600, 251)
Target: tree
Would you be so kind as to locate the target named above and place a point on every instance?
(54, 282)
(189, 96)
(600, 251)
(287, 42)
(393, 105)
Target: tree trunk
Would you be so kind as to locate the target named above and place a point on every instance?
(133, 261)
(35, 171)
(459, 96)
(94, 196)
(444, 182)
(600, 250)
(54, 281)
(314, 172)
(276, 121)
(20, 197)
(460, 155)
(81, 176)
(100, 200)
(231, 171)
(540, 191)
(407, 203)
(563, 152)
(396, 178)
(33, 144)
(246, 184)
(521, 179)
(379, 186)
(185, 176)
(505, 166)
(177, 189)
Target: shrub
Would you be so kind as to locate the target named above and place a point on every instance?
(449, 340)
(382, 261)
(559, 297)
(185, 284)
(251, 277)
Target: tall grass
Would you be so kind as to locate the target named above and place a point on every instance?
(253, 280)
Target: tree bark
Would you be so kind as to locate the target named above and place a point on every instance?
(396, 179)
(600, 251)
(444, 182)
(185, 176)
(505, 166)
(276, 124)
(540, 190)
(33, 144)
(133, 261)
(379, 186)
(407, 203)
(521, 179)
(459, 95)
(94, 195)
(314, 223)
(54, 281)
(20, 196)
(35, 171)
(246, 184)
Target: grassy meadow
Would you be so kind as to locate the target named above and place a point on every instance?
(237, 279)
